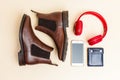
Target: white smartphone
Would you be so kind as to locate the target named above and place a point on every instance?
(77, 53)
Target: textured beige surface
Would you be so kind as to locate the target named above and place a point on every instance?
(11, 12)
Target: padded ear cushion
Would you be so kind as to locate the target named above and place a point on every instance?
(95, 40)
(78, 27)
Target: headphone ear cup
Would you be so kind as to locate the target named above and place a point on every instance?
(95, 40)
(78, 27)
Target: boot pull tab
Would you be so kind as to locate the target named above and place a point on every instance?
(54, 64)
(34, 11)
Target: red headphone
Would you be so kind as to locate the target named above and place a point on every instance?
(79, 26)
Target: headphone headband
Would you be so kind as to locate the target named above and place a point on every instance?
(100, 17)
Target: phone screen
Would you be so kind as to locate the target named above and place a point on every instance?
(77, 53)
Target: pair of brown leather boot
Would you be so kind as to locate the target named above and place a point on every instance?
(33, 51)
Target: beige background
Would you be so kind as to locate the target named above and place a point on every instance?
(11, 12)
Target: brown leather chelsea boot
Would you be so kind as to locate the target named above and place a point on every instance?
(33, 51)
(54, 24)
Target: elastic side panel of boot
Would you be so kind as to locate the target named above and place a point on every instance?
(36, 51)
(50, 24)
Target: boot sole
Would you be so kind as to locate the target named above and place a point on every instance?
(21, 57)
(65, 24)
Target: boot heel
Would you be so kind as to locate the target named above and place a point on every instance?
(65, 18)
(21, 58)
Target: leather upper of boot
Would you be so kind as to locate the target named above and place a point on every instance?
(57, 33)
(31, 41)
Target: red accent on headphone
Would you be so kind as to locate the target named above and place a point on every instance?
(79, 26)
